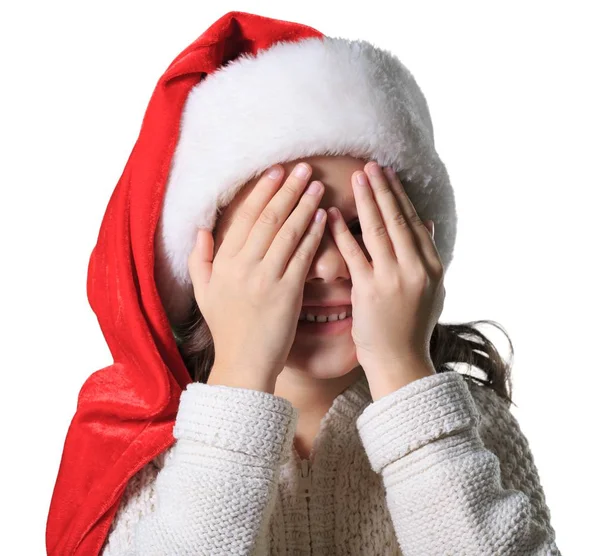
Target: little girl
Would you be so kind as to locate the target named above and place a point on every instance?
(281, 383)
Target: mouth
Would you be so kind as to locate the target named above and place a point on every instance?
(325, 320)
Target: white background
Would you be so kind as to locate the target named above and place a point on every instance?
(513, 92)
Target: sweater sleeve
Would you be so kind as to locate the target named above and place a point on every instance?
(458, 472)
(214, 490)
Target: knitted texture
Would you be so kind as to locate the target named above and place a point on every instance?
(438, 467)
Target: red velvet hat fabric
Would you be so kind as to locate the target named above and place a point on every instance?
(126, 411)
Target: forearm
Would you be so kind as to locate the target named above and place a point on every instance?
(443, 487)
(215, 494)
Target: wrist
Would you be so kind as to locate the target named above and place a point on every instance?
(384, 381)
(222, 377)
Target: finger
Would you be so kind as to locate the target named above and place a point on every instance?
(200, 263)
(302, 257)
(246, 215)
(423, 238)
(374, 231)
(358, 265)
(277, 211)
(285, 244)
(397, 222)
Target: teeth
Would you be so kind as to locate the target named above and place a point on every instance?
(322, 318)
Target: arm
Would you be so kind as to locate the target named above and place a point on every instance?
(458, 472)
(217, 488)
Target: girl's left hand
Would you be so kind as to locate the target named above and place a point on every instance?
(398, 299)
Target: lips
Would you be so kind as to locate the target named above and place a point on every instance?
(341, 302)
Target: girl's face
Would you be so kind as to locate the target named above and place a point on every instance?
(318, 354)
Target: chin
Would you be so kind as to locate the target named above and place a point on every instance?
(332, 360)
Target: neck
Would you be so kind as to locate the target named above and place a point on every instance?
(313, 395)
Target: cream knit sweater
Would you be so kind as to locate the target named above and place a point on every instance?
(438, 467)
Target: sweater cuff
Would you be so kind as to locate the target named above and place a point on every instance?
(251, 422)
(419, 413)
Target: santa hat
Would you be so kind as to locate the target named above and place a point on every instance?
(314, 96)
(248, 93)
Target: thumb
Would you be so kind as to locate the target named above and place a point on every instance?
(200, 262)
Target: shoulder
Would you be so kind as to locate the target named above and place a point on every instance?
(497, 426)
(140, 487)
(486, 398)
(159, 461)
(501, 434)
(138, 500)
(497, 422)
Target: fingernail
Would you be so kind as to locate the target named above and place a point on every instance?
(333, 213)
(373, 169)
(314, 188)
(301, 170)
(274, 172)
(361, 179)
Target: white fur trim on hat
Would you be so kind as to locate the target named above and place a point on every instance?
(317, 96)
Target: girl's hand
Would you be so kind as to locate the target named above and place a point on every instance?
(398, 299)
(251, 294)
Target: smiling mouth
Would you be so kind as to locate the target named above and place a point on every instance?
(328, 327)
(322, 315)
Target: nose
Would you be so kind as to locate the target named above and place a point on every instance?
(328, 264)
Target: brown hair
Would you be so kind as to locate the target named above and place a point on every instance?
(450, 344)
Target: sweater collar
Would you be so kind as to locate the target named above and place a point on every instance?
(351, 401)
(338, 424)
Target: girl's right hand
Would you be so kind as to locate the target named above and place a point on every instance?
(251, 294)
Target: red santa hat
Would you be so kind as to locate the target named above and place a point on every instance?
(248, 93)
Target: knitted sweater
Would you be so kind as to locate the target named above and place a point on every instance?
(438, 467)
